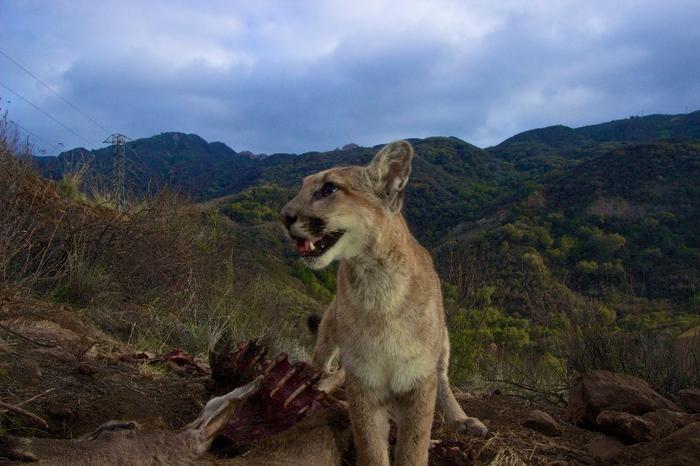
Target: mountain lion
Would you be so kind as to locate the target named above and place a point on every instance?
(387, 321)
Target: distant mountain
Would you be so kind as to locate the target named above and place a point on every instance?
(184, 161)
(453, 181)
(554, 147)
(634, 129)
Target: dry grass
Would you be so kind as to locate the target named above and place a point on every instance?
(159, 272)
(507, 457)
(151, 371)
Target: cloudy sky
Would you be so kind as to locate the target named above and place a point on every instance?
(293, 76)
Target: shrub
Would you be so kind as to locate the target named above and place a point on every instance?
(591, 342)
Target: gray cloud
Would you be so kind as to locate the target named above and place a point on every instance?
(297, 76)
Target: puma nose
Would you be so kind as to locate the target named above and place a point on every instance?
(288, 216)
(288, 220)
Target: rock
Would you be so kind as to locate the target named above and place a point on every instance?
(598, 391)
(627, 427)
(542, 422)
(690, 399)
(665, 422)
(604, 449)
(635, 429)
(680, 448)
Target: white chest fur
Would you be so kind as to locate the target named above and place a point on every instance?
(378, 332)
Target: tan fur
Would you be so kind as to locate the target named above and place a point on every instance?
(320, 440)
(386, 321)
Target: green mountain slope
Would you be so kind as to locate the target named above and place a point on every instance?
(539, 150)
(620, 228)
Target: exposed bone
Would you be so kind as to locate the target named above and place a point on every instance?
(298, 391)
(284, 380)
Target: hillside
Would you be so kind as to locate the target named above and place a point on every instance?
(620, 226)
(161, 272)
(453, 180)
(539, 150)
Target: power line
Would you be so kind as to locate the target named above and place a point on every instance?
(36, 136)
(29, 132)
(44, 112)
(56, 93)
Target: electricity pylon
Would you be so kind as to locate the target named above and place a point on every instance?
(118, 142)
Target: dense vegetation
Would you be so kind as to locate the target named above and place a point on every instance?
(561, 249)
(603, 257)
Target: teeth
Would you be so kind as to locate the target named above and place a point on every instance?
(311, 246)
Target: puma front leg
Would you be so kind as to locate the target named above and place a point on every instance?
(325, 352)
(326, 348)
(369, 419)
(414, 411)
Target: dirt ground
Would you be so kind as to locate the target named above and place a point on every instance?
(55, 364)
(509, 443)
(58, 366)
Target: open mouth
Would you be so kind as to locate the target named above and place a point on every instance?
(308, 248)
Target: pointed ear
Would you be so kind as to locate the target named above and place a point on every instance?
(389, 171)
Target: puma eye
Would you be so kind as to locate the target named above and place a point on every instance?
(327, 189)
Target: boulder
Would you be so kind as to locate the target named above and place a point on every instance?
(626, 427)
(679, 448)
(665, 422)
(634, 429)
(542, 422)
(598, 391)
(690, 399)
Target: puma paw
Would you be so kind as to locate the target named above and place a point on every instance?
(332, 381)
(471, 426)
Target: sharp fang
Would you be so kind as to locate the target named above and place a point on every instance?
(311, 246)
